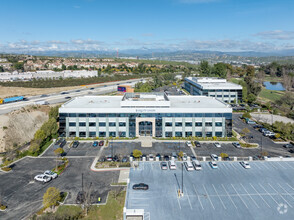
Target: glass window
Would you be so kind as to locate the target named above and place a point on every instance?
(102, 134)
(122, 134)
(63, 114)
(72, 134)
(219, 96)
(112, 134)
(82, 115)
(226, 96)
(72, 124)
(102, 124)
(73, 115)
(198, 124)
(188, 133)
(208, 134)
(92, 115)
(208, 124)
(92, 134)
(198, 115)
(178, 134)
(178, 124)
(92, 124)
(188, 115)
(168, 134)
(122, 115)
(82, 134)
(102, 115)
(112, 115)
(198, 134)
(112, 124)
(218, 115)
(218, 134)
(168, 124)
(122, 124)
(178, 115)
(82, 124)
(188, 124)
(209, 115)
(169, 115)
(218, 124)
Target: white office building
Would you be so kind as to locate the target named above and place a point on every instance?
(145, 114)
(214, 87)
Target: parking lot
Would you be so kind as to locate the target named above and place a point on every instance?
(83, 149)
(268, 145)
(23, 195)
(126, 148)
(266, 191)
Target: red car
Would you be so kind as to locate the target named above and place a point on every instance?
(101, 143)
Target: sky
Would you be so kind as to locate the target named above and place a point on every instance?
(221, 25)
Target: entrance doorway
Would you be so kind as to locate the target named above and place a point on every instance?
(145, 128)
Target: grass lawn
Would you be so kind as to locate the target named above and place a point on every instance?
(235, 80)
(113, 210)
(270, 94)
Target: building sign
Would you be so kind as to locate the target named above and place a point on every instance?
(145, 110)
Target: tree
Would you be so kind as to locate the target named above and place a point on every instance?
(181, 154)
(223, 155)
(250, 71)
(18, 66)
(53, 113)
(246, 115)
(51, 197)
(137, 153)
(220, 69)
(251, 98)
(63, 67)
(204, 67)
(39, 135)
(58, 151)
(50, 127)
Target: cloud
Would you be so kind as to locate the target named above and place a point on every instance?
(276, 35)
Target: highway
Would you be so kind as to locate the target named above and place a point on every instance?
(53, 98)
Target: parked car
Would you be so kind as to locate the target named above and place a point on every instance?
(124, 160)
(185, 157)
(166, 157)
(109, 158)
(214, 157)
(95, 144)
(67, 97)
(226, 158)
(101, 143)
(257, 126)
(140, 186)
(159, 156)
(50, 173)
(63, 93)
(172, 165)
(269, 134)
(163, 165)
(217, 144)
(291, 151)
(193, 157)
(77, 90)
(75, 144)
(288, 146)
(115, 158)
(245, 164)
(174, 155)
(189, 144)
(262, 130)
(197, 165)
(236, 144)
(91, 88)
(197, 144)
(151, 157)
(42, 178)
(213, 164)
(188, 165)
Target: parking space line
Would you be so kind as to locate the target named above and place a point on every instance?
(219, 196)
(255, 165)
(289, 165)
(229, 196)
(279, 163)
(249, 195)
(225, 166)
(286, 191)
(259, 195)
(272, 164)
(198, 197)
(239, 196)
(188, 198)
(279, 194)
(290, 186)
(208, 196)
(178, 197)
(264, 166)
(268, 193)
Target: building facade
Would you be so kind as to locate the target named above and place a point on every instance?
(214, 87)
(145, 114)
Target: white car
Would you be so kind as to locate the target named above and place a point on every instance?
(185, 157)
(245, 164)
(151, 157)
(51, 174)
(214, 157)
(213, 164)
(217, 144)
(189, 144)
(236, 144)
(42, 178)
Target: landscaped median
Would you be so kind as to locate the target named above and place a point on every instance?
(111, 165)
(249, 145)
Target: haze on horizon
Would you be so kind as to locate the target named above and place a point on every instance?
(74, 25)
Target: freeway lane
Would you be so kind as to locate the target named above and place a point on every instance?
(59, 98)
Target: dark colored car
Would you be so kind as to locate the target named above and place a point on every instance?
(140, 186)
(166, 157)
(115, 158)
(91, 88)
(158, 155)
(44, 95)
(197, 144)
(101, 143)
(81, 197)
(291, 151)
(227, 158)
(257, 126)
(62, 93)
(75, 144)
(288, 146)
(67, 97)
(95, 144)
(77, 90)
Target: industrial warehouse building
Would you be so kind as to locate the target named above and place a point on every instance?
(145, 114)
(214, 87)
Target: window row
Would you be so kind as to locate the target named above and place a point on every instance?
(100, 134)
(197, 124)
(100, 124)
(189, 134)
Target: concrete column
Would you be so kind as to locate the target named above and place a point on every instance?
(163, 127)
(193, 127)
(127, 127)
(224, 127)
(97, 127)
(117, 127)
(87, 127)
(203, 127)
(204, 158)
(67, 127)
(107, 127)
(250, 158)
(77, 128)
(235, 158)
(183, 127)
(173, 128)
(213, 126)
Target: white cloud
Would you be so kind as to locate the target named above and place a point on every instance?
(276, 35)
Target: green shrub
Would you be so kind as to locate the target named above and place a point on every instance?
(3, 207)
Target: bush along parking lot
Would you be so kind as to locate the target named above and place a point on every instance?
(112, 164)
(61, 167)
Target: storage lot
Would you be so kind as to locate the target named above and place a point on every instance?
(23, 195)
(266, 191)
(84, 149)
